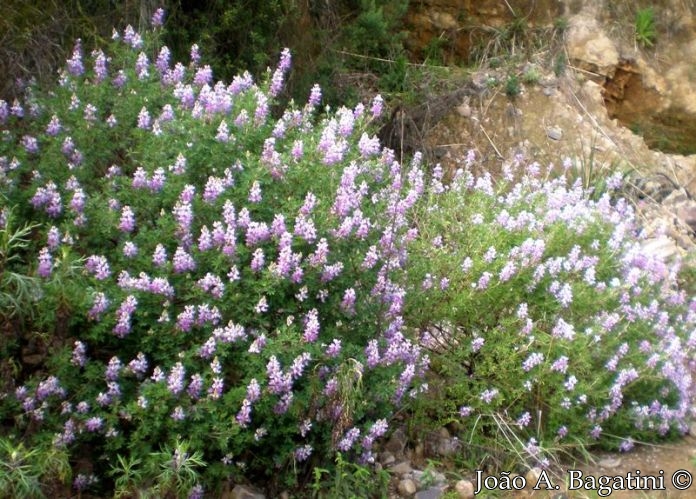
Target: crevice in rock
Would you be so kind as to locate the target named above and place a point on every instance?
(645, 112)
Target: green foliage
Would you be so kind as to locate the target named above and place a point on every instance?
(512, 86)
(25, 473)
(503, 370)
(531, 75)
(645, 31)
(234, 36)
(18, 289)
(249, 337)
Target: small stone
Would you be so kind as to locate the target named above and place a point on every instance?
(444, 433)
(464, 489)
(609, 462)
(464, 110)
(407, 487)
(401, 468)
(431, 493)
(554, 133)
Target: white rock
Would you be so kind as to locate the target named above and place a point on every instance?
(464, 489)
(407, 487)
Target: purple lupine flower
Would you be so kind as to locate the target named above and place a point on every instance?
(130, 250)
(186, 319)
(314, 96)
(123, 314)
(255, 193)
(377, 106)
(258, 260)
(278, 382)
(243, 417)
(100, 65)
(215, 390)
(488, 395)
(303, 453)
(596, 432)
(138, 366)
(223, 132)
(532, 361)
(563, 330)
(483, 281)
(203, 76)
(54, 126)
(94, 424)
(182, 261)
(284, 403)
(75, 66)
(90, 113)
(158, 18)
(127, 223)
(299, 364)
(195, 386)
(348, 302)
(348, 439)
(79, 354)
(45, 263)
(142, 66)
(175, 380)
(334, 349)
(113, 369)
(253, 392)
(560, 365)
(119, 80)
(178, 413)
(311, 331)
(159, 257)
(144, 120)
(17, 109)
(570, 383)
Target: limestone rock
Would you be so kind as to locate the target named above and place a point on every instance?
(407, 487)
(244, 492)
(464, 489)
(554, 133)
(589, 47)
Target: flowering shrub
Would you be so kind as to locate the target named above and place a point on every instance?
(221, 277)
(545, 316)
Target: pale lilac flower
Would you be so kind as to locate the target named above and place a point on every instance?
(75, 66)
(311, 331)
(488, 395)
(45, 263)
(255, 193)
(127, 223)
(79, 354)
(158, 18)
